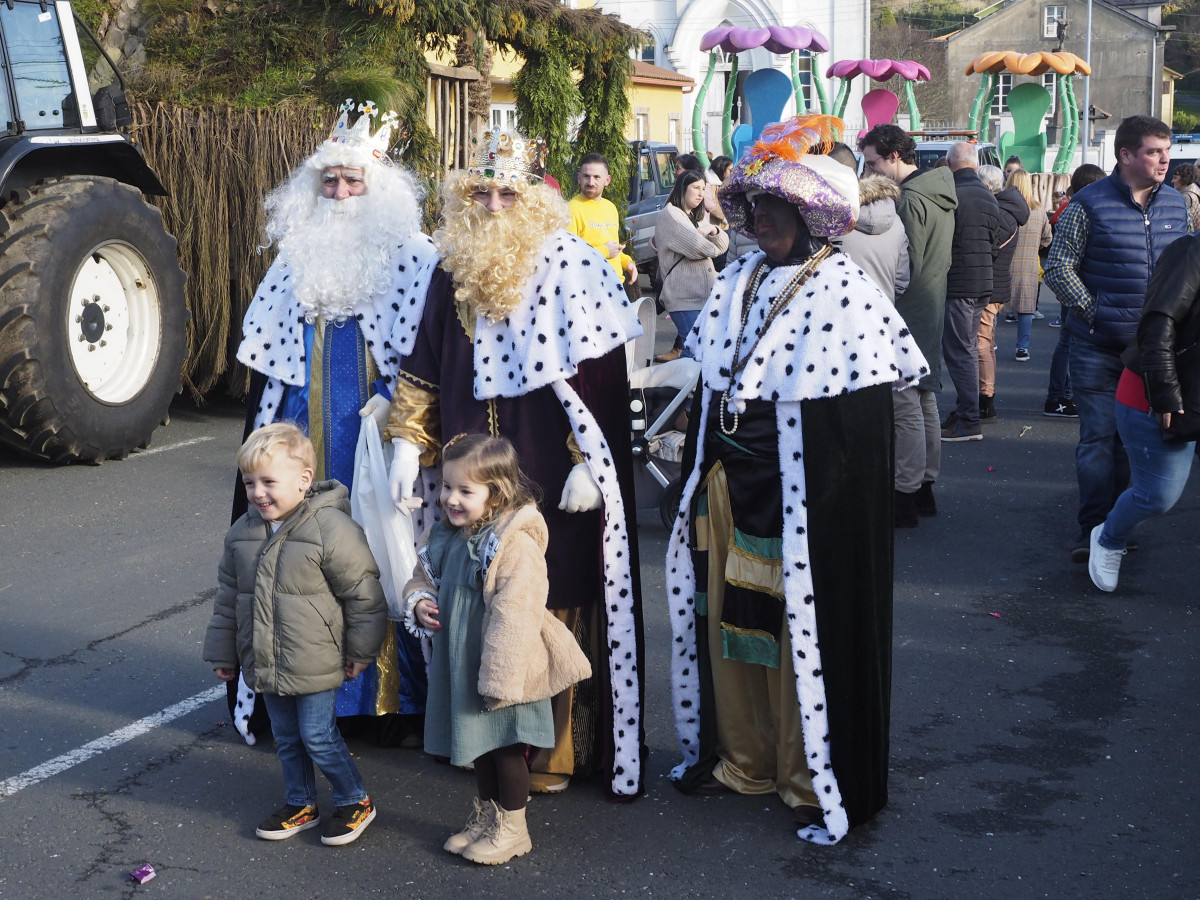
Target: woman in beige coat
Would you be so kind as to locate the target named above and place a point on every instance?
(687, 241)
(1026, 269)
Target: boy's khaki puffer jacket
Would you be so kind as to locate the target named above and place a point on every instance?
(294, 606)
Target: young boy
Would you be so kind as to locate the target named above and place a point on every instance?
(300, 606)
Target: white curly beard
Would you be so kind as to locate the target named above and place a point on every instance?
(341, 251)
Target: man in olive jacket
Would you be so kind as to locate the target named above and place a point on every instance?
(926, 207)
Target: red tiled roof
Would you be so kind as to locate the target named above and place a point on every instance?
(644, 72)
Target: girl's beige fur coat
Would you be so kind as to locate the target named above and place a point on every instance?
(528, 654)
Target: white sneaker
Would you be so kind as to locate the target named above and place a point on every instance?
(1104, 565)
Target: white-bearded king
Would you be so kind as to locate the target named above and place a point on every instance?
(352, 268)
(523, 335)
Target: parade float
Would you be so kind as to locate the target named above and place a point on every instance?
(1029, 104)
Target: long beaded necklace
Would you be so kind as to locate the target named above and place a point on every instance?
(778, 305)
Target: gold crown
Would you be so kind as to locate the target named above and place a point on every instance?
(508, 157)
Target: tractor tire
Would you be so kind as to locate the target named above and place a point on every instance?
(93, 322)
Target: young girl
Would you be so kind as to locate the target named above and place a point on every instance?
(498, 654)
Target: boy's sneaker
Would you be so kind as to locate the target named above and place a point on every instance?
(1022, 355)
(1038, 314)
(1009, 318)
(348, 823)
(288, 821)
(1061, 409)
(1056, 322)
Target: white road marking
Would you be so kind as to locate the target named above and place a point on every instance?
(10, 786)
(199, 440)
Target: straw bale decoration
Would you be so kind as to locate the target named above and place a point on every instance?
(231, 96)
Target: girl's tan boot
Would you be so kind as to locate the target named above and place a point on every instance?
(506, 837)
(477, 823)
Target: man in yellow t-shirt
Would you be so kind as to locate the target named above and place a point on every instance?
(594, 218)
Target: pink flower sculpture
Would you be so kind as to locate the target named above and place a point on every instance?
(776, 38)
(783, 40)
(878, 69)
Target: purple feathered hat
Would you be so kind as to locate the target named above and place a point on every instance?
(783, 162)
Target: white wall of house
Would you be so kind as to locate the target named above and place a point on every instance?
(678, 26)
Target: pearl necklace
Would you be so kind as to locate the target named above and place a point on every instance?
(778, 305)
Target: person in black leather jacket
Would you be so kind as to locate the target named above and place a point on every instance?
(1158, 406)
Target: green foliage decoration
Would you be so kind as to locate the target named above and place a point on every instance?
(605, 112)
(547, 101)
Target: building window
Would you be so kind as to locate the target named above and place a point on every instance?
(649, 52)
(806, 83)
(1050, 83)
(1050, 17)
(504, 117)
(642, 129)
(1004, 84)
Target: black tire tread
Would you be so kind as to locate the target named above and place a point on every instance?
(29, 418)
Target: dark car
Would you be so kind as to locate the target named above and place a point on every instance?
(651, 179)
(929, 152)
(1185, 150)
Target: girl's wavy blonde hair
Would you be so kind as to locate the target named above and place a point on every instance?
(496, 270)
(492, 461)
(1023, 182)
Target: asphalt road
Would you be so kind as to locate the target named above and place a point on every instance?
(1044, 734)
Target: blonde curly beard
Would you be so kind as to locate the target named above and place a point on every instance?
(491, 256)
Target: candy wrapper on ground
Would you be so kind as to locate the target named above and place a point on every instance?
(143, 873)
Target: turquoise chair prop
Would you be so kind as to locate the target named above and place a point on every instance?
(1028, 104)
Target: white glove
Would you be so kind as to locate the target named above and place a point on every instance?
(581, 492)
(377, 408)
(406, 469)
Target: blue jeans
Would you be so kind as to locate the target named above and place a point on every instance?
(306, 732)
(684, 319)
(1060, 369)
(1024, 327)
(1159, 471)
(1101, 464)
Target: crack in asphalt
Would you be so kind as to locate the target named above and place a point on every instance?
(30, 665)
(108, 858)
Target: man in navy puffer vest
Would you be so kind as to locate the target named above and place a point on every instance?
(1099, 265)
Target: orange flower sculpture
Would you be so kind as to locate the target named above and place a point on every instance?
(1063, 64)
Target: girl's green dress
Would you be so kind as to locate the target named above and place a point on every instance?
(457, 723)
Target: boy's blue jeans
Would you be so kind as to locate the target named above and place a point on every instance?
(306, 732)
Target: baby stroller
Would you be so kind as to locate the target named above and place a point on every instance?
(657, 395)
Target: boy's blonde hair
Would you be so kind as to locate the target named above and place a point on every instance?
(263, 444)
(492, 461)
